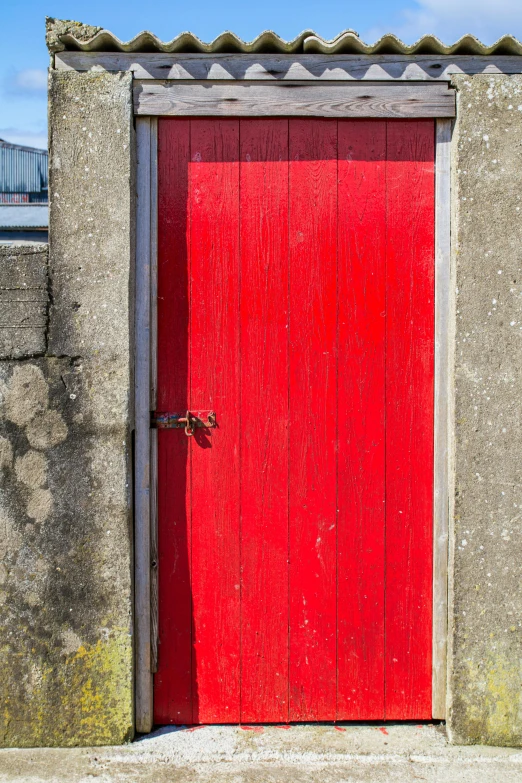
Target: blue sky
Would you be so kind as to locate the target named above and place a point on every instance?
(24, 58)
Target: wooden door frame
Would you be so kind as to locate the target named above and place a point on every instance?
(145, 541)
(145, 438)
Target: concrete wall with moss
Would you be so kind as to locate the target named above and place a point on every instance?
(66, 663)
(66, 668)
(486, 606)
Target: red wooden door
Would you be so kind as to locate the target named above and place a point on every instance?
(296, 300)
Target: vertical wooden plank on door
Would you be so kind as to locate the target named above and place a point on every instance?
(172, 682)
(313, 424)
(214, 282)
(264, 419)
(409, 418)
(361, 475)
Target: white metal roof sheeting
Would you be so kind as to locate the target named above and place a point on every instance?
(23, 216)
(73, 36)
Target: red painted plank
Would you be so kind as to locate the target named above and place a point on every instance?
(313, 425)
(214, 325)
(172, 683)
(361, 474)
(264, 420)
(409, 417)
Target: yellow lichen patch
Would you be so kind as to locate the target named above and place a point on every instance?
(490, 705)
(101, 677)
(85, 699)
(503, 688)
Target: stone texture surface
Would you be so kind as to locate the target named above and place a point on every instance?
(486, 662)
(91, 212)
(66, 669)
(24, 300)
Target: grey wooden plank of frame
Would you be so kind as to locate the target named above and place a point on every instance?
(285, 99)
(443, 285)
(271, 67)
(142, 575)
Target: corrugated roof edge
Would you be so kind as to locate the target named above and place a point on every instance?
(64, 35)
(10, 145)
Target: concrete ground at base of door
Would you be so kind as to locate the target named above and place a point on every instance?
(300, 754)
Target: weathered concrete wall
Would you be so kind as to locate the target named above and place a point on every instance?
(486, 663)
(65, 451)
(24, 300)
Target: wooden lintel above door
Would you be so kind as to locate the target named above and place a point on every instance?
(294, 99)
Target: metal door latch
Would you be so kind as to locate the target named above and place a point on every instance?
(187, 421)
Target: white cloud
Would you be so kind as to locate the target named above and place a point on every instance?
(24, 137)
(32, 80)
(27, 83)
(450, 19)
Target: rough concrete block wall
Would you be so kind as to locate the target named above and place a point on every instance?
(486, 660)
(66, 671)
(24, 300)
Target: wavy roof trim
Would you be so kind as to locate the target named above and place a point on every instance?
(64, 35)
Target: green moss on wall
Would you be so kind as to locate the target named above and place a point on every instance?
(82, 699)
(487, 712)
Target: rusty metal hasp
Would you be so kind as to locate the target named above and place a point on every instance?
(187, 421)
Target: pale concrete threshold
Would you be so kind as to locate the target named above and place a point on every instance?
(297, 754)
